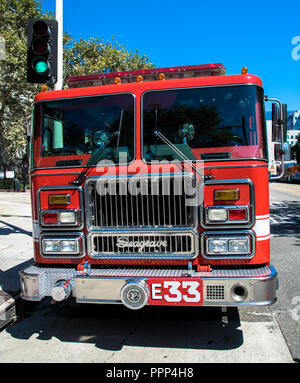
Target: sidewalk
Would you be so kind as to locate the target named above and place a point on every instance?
(16, 249)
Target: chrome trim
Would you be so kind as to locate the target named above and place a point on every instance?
(144, 255)
(30, 289)
(251, 202)
(206, 167)
(104, 285)
(230, 235)
(66, 236)
(228, 238)
(227, 221)
(52, 174)
(61, 226)
(96, 95)
(237, 166)
(142, 225)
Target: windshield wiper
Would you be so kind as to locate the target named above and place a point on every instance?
(119, 134)
(94, 159)
(178, 152)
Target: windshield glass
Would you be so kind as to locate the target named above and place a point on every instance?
(71, 130)
(204, 123)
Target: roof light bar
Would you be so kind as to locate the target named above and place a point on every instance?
(147, 75)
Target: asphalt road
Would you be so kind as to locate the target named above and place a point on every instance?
(285, 255)
(70, 332)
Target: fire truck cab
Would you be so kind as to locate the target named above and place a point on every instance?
(150, 187)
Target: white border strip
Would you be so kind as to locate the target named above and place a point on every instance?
(262, 227)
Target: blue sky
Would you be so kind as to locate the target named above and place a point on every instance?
(256, 34)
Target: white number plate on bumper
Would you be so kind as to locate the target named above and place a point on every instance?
(175, 291)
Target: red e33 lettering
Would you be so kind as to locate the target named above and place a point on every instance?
(177, 292)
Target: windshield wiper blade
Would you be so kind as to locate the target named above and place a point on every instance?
(119, 135)
(178, 152)
(93, 159)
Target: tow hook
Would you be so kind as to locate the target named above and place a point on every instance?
(61, 291)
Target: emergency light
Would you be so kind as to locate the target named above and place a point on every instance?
(141, 75)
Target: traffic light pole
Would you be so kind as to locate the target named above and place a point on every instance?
(59, 18)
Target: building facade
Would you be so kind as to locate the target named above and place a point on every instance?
(293, 121)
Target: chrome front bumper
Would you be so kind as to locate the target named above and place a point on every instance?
(221, 287)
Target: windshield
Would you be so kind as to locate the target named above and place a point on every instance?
(71, 130)
(204, 123)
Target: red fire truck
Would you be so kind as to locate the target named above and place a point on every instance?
(150, 187)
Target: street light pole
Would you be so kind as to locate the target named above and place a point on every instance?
(59, 18)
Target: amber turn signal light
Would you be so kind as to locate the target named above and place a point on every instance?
(226, 195)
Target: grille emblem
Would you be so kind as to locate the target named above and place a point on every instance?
(123, 242)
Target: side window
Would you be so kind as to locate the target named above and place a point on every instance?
(53, 135)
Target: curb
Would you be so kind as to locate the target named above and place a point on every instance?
(7, 308)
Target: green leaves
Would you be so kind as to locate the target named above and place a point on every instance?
(98, 56)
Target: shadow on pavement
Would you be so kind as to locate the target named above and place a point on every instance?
(110, 327)
(285, 217)
(12, 229)
(10, 280)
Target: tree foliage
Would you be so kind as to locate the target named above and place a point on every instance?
(80, 57)
(98, 56)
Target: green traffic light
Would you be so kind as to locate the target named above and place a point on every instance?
(40, 66)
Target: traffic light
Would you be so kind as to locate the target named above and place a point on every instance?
(42, 51)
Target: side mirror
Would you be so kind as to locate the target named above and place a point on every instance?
(28, 133)
(279, 131)
(28, 126)
(287, 151)
(284, 119)
(277, 154)
(275, 124)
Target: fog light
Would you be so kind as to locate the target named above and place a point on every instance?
(217, 246)
(216, 215)
(67, 217)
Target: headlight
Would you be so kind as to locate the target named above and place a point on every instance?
(226, 246)
(217, 246)
(240, 246)
(69, 246)
(50, 246)
(62, 245)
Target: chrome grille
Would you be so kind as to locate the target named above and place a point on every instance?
(156, 202)
(142, 244)
(215, 292)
